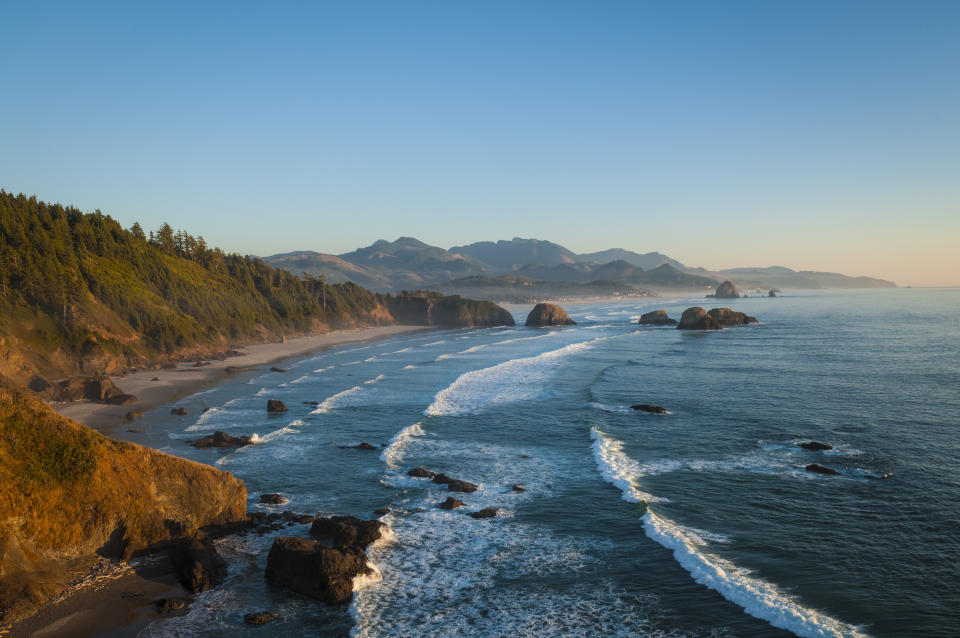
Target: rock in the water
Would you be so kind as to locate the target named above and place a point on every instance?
(132, 415)
(652, 409)
(276, 369)
(696, 318)
(726, 290)
(196, 564)
(462, 486)
(259, 618)
(548, 314)
(179, 411)
(221, 439)
(442, 479)
(451, 503)
(168, 605)
(273, 499)
(727, 317)
(275, 406)
(819, 469)
(657, 318)
(518, 488)
(420, 472)
(487, 512)
(361, 446)
(308, 567)
(348, 531)
(771, 294)
(816, 445)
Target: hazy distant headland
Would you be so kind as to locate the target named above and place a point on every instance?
(530, 269)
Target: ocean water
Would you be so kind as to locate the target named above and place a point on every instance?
(700, 522)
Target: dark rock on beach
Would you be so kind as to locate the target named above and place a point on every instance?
(657, 318)
(169, 605)
(310, 568)
(488, 512)
(728, 317)
(273, 499)
(275, 406)
(696, 318)
(451, 503)
(196, 564)
(348, 531)
(179, 411)
(816, 446)
(726, 290)
(221, 439)
(420, 472)
(259, 618)
(548, 314)
(820, 469)
(652, 409)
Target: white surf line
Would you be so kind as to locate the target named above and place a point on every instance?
(757, 597)
(332, 401)
(393, 453)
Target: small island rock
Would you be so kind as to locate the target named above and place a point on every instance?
(657, 318)
(728, 317)
(548, 314)
(275, 406)
(726, 290)
(696, 318)
(221, 439)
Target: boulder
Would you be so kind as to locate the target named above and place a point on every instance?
(816, 446)
(696, 318)
(310, 568)
(420, 472)
(518, 488)
(548, 314)
(168, 605)
(451, 503)
(771, 294)
(657, 318)
(276, 369)
(652, 409)
(348, 531)
(728, 317)
(196, 564)
(487, 512)
(273, 499)
(179, 411)
(726, 290)
(819, 469)
(275, 406)
(259, 618)
(360, 446)
(464, 487)
(221, 439)
(442, 479)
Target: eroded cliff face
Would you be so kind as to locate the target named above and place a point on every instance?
(68, 493)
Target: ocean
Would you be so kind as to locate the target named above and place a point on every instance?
(699, 522)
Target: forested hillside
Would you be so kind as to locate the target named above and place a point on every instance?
(81, 294)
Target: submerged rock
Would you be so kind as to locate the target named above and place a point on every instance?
(310, 568)
(726, 290)
(221, 439)
(652, 409)
(548, 314)
(196, 564)
(487, 512)
(361, 446)
(820, 469)
(259, 618)
(518, 488)
(442, 479)
(273, 499)
(420, 472)
(348, 531)
(657, 318)
(816, 445)
(169, 605)
(451, 503)
(275, 406)
(696, 318)
(462, 486)
(276, 369)
(179, 411)
(728, 317)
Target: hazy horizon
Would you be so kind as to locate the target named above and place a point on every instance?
(817, 136)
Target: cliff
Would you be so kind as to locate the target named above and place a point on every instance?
(68, 493)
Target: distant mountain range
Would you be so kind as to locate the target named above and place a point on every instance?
(530, 269)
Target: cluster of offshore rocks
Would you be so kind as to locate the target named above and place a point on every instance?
(696, 318)
(459, 486)
(727, 290)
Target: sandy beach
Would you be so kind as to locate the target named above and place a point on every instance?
(156, 387)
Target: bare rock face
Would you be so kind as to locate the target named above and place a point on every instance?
(310, 568)
(348, 531)
(728, 317)
(221, 439)
(548, 314)
(97, 388)
(196, 564)
(657, 318)
(696, 318)
(726, 290)
(275, 406)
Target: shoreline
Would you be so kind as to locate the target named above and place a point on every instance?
(154, 388)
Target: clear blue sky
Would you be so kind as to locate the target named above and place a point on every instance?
(810, 134)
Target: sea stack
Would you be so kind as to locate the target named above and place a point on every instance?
(696, 318)
(726, 290)
(548, 314)
(657, 318)
(728, 317)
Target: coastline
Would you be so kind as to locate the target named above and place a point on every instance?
(154, 388)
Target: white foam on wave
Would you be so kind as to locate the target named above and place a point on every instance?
(433, 343)
(756, 596)
(612, 408)
(402, 350)
(507, 382)
(393, 453)
(450, 355)
(263, 392)
(290, 427)
(203, 418)
(322, 370)
(408, 367)
(338, 399)
(619, 469)
(305, 377)
(378, 378)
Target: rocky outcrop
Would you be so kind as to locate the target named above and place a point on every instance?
(696, 318)
(487, 512)
(178, 411)
(726, 290)
(359, 446)
(771, 294)
(657, 318)
(99, 388)
(548, 314)
(433, 309)
(221, 439)
(652, 409)
(196, 564)
(348, 531)
(68, 493)
(518, 488)
(451, 503)
(275, 406)
(464, 487)
(273, 499)
(820, 469)
(310, 568)
(421, 472)
(816, 446)
(728, 317)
